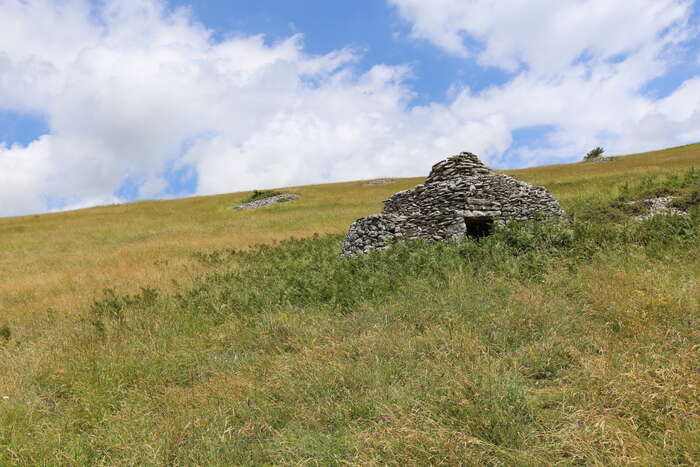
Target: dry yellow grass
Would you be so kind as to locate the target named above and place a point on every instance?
(65, 260)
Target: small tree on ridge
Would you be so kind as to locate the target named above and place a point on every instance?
(594, 153)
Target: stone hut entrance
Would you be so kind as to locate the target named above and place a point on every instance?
(478, 227)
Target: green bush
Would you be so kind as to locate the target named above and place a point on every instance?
(594, 153)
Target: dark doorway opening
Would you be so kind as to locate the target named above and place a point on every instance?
(478, 227)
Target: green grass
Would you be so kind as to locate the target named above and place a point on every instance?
(553, 344)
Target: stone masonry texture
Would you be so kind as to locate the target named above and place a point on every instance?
(460, 198)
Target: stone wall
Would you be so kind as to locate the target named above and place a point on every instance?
(460, 198)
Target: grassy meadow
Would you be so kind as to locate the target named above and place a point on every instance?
(158, 333)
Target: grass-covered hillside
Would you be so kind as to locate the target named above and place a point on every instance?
(571, 344)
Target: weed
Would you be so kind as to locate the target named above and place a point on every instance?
(215, 257)
(114, 306)
(5, 333)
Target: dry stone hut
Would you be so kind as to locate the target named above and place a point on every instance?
(460, 198)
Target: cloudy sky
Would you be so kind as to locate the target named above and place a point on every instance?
(117, 100)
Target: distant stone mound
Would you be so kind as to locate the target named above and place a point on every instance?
(380, 181)
(598, 159)
(460, 198)
(269, 201)
(657, 207)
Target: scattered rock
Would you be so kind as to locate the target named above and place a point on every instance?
(460, 198)
(657, 207)
(599, 159)
(380, 181)
(268, 201)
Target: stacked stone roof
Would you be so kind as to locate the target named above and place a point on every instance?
(460, 193)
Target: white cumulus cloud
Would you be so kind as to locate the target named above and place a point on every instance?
(578, 68)
(542, 35)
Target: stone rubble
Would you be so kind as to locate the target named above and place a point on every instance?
(599, 159)
(380, 181)
(267, 201)
(657, 207)
(460, 198)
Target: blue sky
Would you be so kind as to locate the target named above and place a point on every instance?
(22, 127)
(118, 100)
(371, 26)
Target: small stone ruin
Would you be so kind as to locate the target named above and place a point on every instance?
(269, 201)
(598, 159)
(657, 207)
(380, 181)
(460, 198)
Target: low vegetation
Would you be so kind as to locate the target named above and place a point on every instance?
(687, 199)
(561, 343)
(682, 187)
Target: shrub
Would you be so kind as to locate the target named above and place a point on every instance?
(594, 153)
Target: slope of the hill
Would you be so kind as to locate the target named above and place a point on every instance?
(65, 260)
(538, 345)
